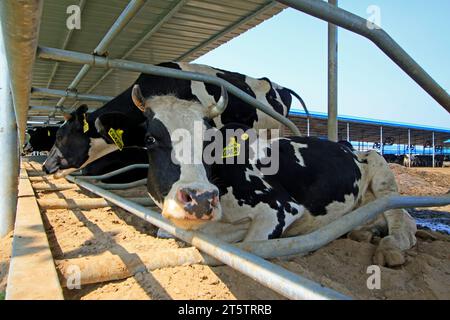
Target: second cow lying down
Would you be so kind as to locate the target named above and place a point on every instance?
(317, 181)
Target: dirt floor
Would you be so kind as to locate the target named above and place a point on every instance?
(341, 265)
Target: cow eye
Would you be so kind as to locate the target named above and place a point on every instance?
(150, 141)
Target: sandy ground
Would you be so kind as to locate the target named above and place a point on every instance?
(341, 265)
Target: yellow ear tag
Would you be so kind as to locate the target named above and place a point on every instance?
(233, 149)
(116, 136)
(85, 124)
(48, 133)
(244, 136)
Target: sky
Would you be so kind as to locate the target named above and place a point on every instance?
(291, 50)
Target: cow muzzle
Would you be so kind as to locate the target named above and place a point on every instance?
(54, 161)
(192, 208)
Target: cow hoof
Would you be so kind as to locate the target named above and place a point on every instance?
(389, 257)
(360, 235)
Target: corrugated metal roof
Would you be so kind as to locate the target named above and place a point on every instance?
(194, 28)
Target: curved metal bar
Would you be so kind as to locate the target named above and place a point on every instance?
(87, 59)
(271, 275)
(121, 186)
(115, 172)
(319, 238)
(381, 38)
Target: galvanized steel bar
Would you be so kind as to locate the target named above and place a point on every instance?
(115, 172)
(20, 25)
(83, 58)
(8, 149)
(381, 38)
(319, 238)
(125, 17)
(120, 186)
(44, 92)
(171, 12)
(332, 79)
(381, 140)
(273, 276)
(434, 152)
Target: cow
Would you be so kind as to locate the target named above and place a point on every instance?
(316, 181)
(81, 139)
(40, 139)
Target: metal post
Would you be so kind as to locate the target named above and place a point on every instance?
(347, 20)
(348, 132)
(381, 139)
(332, 78)
(409, 147)
(434, 151)
(128, 13)
(8, 149)
(20, 25)
(307, 127)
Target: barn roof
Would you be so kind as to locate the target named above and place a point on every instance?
(162, 30)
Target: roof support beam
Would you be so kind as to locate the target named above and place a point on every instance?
(64, 45)
(92, 60)
(167, 16)
(332, 79)
(379, 37)
(125, 17)
(20, 26)
(43, 92)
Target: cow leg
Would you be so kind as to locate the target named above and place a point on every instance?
(401, 226)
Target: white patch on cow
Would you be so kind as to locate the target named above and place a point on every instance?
(297, 146)
(254, 172)
(337, 209)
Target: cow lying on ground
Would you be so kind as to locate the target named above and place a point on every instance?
(80, 140)
(316, 181)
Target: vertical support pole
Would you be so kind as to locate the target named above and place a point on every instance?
(332, 78)
(8, 149)
(307, 126)
(409, 147)
(348, 132)
(381, 140)
(434, 151)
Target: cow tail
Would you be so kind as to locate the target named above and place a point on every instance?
(299, 99)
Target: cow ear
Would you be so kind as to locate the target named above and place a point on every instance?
(114, 120)
(138, 98)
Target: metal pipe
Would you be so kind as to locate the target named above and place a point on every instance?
(409, 148)
(433, 149)
(46, 108)
(121, 186)
(85, 204)
(273, 276)
(319, 238)
(125, 17)
(348, 132)
(8, 148)
(78, 57)
(115, 172)
(332, 78)
(307, 127)
(20, 26)
(171, 12)
(381, 140)
(64, 45)
(44, 92)
(381, 38)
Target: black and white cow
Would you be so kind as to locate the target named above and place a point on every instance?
(40, 139)
(317, 181)
(76, 147)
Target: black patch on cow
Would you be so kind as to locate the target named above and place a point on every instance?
(42, 138)
(271, 97)
(162, 172)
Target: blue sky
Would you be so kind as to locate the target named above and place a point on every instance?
(291, 49)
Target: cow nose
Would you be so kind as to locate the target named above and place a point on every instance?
(44, 168)
(198, 203)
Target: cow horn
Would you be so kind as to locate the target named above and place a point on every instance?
(217, 109)
(138, 98)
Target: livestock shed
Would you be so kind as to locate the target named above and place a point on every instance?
(55, 63)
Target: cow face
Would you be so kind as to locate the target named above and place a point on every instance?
(74, 147)
(181, 188)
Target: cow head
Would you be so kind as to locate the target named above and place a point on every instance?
(77, 144)
(181, 189)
